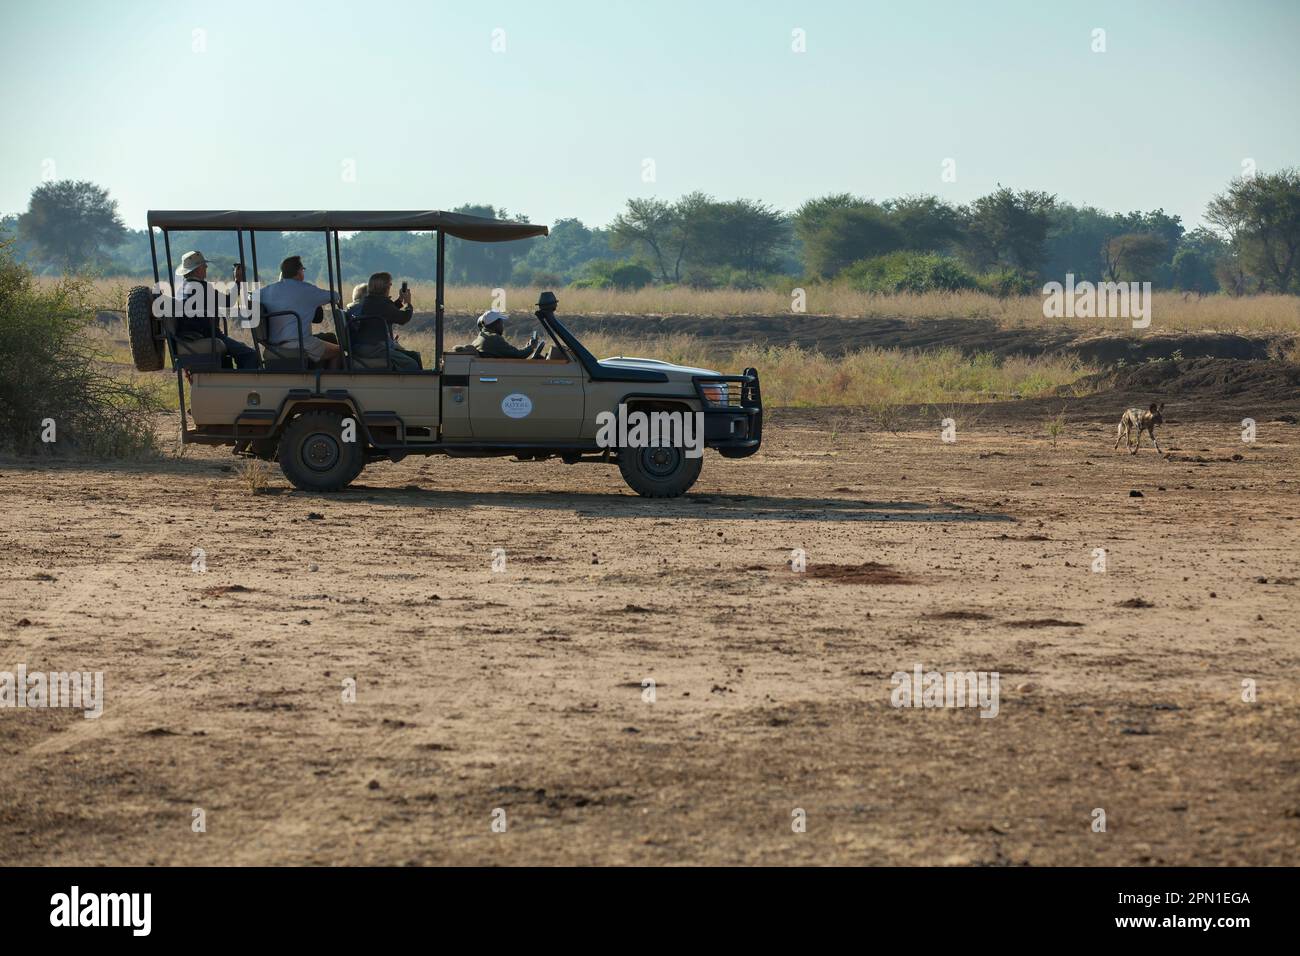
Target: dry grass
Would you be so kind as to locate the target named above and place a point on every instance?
(1171, 311)
(874, 378)
(870, 377)
(882, 378)
(253, 475)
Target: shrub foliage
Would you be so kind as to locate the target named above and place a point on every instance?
(53, 383)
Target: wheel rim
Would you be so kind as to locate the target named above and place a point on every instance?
(320, 452)
(660, 462)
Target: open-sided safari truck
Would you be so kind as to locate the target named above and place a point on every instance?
(651, 418)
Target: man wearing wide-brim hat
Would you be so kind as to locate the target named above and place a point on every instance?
(194, 322)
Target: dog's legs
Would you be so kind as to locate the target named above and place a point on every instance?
(1159, 450)
(1119, 435)
(1137, 444)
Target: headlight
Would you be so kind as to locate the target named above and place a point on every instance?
(715, 393)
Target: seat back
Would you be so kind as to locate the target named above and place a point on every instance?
(287, 357)
(343, 335)
(203, 354)
(367, 357)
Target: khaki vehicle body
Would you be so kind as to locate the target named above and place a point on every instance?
(324, 425)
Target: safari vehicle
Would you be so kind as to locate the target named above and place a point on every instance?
(325, 425)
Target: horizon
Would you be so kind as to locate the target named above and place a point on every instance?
(704, 86)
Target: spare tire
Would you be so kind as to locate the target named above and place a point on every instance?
(142, 329)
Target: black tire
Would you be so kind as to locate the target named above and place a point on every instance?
(142, 330)
(314, 456)
(659, 472)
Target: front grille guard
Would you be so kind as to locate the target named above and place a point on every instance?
(747, 396)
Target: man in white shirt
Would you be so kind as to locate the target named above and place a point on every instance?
(293, 294)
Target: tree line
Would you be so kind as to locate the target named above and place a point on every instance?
(1007, 242)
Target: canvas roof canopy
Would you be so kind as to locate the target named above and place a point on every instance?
(473, 228)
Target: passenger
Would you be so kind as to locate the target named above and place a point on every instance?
(491, 341)
(194, 322)
(371, 321)
(294, 294)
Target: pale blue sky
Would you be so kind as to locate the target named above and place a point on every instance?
(560, 122)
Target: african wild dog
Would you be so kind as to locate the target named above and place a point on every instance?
(1134, 422)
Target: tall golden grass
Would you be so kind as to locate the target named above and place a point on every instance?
(792, 376)
(1171, 311)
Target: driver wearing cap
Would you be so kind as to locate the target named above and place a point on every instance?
(491, 341)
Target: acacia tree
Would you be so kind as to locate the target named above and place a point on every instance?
(742, 233)
(926, 223)
(1261, 217)
(71, 221)
(652, 223)
(1196, 262)
(1134, 255)
(482, 263)
(840, 229)
(669, 231)
(694, 215)
(1008, 229)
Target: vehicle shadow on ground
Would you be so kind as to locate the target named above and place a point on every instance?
(711, 506)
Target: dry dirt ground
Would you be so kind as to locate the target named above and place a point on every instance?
(523, 690)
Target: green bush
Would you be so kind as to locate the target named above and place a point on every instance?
(50, 373)
(1008, 282)
(908, 272)
(525, 276)
(729, 277)
(698, 277)
(613, 274)
(631, 276)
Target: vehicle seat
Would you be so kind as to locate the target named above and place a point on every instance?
(209, 347)
(193, 354)
(278, 358)
(370, 360)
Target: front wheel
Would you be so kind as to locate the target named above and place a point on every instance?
(314, 456)
(659, 472)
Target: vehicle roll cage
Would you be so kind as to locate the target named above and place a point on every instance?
(443, 224)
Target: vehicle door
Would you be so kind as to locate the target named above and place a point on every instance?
(525, 399)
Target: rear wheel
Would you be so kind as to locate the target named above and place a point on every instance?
(659, 472)
(314, 456)
(141, 327)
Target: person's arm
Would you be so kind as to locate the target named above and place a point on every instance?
(326, 296)
(399, 314)
(239, 297)
(523, 351)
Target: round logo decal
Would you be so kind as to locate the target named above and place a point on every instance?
(517, 405)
